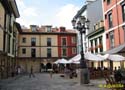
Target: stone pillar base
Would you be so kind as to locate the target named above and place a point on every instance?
(84, 76)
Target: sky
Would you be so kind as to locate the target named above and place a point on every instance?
(48, 12)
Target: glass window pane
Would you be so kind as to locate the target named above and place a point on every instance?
(48, 52)
(33, 41)
(63, 41)
(123, 12)
(48, 41)
(33, 52)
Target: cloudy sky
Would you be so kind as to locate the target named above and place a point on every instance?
(48, 12)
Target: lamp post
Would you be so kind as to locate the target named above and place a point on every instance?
(81, 25)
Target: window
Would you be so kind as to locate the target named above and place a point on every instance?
(33, 52)
(63, 41)
(123, 12)
(48, 41)
(73, 50)
(100, 40)
(108, 1)
(96, 48)
(124, 31)
(33, 28)
(64, 52)
(100, 43)
(107, 36)
(91, 42)
(112, 41)
(9, 22)
(49, 52)
(9, 37)
(13, 45)
(48, 29)
(23, 50)
(73, 39)
(23, 40)
(106, 16)
(110, 22)
(33, 41)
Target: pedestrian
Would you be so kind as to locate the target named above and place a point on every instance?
(18, 70)
(31, 72)
(51, 73)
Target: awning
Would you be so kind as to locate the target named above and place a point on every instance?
(113, 57)
(119, 49)
(62, 61)
(87, 56)
(92, 57)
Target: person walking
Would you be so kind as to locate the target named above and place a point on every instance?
(51, 73)
(31, 72)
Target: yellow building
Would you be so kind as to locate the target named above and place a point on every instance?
(8, 31)
(38, 47)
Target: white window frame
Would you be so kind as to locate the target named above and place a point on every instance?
(74, 39)
(62, 52)
(74, 50)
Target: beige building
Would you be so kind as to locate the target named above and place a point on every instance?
(8, 31)
(39, 46)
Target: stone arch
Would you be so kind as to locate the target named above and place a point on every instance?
(48, 66)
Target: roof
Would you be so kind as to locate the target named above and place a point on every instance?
(11, 7)
(42, 30)
(118, 49)
(80, 11)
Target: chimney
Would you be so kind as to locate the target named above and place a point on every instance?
(62, 29)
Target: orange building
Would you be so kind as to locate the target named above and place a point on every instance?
(114, 13)
(114, 22)
(67, 43)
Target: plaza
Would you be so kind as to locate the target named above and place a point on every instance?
(43, 81)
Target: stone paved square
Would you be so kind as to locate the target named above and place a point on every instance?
(45, 82)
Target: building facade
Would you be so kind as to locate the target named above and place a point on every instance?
(42, 46)
(96, 43)
(8, 30)
(114, 12)
(96, 37)
(94, 17)
(114, 21)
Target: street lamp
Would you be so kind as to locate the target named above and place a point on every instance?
(81, 25)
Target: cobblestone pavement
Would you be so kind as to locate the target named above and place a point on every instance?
(45, 82)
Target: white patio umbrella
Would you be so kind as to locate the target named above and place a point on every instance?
(76, 62)
(114, 57)
(63, 61)
(57, 62)
(88, 56)
(75, 59)
(93, 57)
